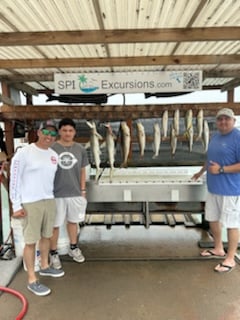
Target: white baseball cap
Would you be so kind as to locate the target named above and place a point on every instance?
(225, 112)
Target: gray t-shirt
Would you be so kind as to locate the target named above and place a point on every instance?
(68, 176)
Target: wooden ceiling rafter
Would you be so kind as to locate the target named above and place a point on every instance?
(43, 38)
(108, 112)
(119, 61)
(231, 84)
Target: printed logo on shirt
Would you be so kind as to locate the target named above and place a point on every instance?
(66, 160)
(53, 159)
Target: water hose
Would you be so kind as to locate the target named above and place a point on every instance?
(21, 297)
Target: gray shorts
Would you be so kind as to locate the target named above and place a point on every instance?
(225, 209)
(39, 220)
(72, 209)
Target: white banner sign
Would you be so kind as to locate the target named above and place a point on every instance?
(134, 82)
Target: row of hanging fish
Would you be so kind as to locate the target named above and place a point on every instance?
(202, 127)
(160, 133)
(110, 140)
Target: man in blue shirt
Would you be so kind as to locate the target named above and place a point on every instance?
(223, 182)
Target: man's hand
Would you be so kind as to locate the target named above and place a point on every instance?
(19, 214)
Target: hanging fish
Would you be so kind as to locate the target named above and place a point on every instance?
(199, 125)
(156, 139)
(165, 124)
(141, 138)
(173, 140)
(206, 134)
(95, 148)
(125, 142)
(188, 119)
(110, 142)
(176, 117)
(190, 134)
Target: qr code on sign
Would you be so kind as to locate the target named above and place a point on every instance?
(191, 80)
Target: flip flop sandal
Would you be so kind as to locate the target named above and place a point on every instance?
(210, 254)
(227, 268)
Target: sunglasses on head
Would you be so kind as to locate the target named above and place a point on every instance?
(49, 132)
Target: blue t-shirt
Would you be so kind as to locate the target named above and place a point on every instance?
(225, 150)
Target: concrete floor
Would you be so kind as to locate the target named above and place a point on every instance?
(134, 274)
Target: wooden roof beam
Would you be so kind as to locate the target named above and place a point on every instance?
(119, 61)
(107, 112)
(221, 74)
(6, 100)
(119, 36)
(25, 88)
(231, 84)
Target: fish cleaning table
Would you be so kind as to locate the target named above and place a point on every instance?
(162, 184)
(145, 187)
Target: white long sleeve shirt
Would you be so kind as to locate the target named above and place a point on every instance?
(32, 175)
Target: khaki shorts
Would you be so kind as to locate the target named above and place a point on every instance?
(73, 209)
(225, 209)
(39, 220)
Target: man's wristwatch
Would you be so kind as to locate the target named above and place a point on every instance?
(221, 170)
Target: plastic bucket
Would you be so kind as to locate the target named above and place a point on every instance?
(17, 237)
(63, 241)
(37, 264)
